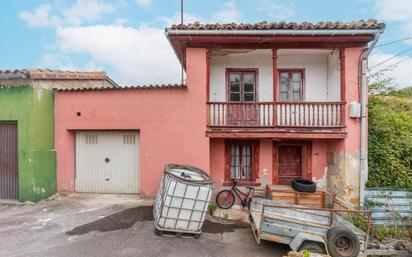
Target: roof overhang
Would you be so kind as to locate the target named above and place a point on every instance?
(13, 76)
(266, 39)
(275, 32)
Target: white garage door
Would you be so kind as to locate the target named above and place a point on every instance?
(107, 162)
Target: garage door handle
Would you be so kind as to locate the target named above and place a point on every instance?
(107, 179)
(107, 159)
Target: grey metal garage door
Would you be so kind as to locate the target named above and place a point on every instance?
(107, 162)
(9, 176)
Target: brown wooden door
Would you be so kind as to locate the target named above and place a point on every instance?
(289, 163)
(9, 179)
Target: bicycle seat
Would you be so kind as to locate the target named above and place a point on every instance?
(250, 188)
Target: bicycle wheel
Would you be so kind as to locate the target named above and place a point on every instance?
(225, 199)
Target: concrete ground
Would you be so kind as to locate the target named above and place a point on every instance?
(113, 225)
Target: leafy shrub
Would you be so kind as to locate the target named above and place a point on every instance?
(358, 220)
(384, 233)
(212, 208)
(390, 140)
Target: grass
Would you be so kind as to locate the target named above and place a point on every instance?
(384, 233)
(212, 208)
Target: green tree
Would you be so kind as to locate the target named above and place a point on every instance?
(390, 136)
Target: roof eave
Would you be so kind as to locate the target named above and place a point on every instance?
(180, 58)
(172, 33)
(13, 76)
(274, 32)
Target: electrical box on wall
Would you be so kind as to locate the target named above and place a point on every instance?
(355, 110)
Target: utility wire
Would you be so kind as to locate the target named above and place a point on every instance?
(394, 64)
(393, 42)
(382, 62)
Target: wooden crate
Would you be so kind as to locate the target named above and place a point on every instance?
(288, 195)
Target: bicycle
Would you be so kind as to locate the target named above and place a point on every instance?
(225, 199)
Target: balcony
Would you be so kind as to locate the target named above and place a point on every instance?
(276, 119)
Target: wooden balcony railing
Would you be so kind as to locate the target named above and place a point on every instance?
(316, 115)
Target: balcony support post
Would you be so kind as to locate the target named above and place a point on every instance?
(208, 112)
(342, 75)
(207, 76)
(342, 84)
(275, 85)
(275, 73)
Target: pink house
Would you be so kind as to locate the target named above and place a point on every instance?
(263, 103)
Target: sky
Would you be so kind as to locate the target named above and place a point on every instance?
(126, 37)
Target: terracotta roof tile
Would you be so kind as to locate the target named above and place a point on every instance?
(369, 24)
(157, 86)
(45, 74)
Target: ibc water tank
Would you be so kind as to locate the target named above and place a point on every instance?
(182, 199)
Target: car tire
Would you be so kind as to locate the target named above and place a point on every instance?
(313, 247)
(342, 242)
(304, 185)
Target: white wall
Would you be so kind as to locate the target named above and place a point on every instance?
(334, 76)
(322, 75)
(260, 59)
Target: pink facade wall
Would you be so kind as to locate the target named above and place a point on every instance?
(352, 56)
(319, 159)
(172, 125)
(266, 161)
(217, 160)
(320, 148)
(171, 122)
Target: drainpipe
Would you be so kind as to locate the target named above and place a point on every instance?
(363, 166)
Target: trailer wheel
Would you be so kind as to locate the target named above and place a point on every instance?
(313, 247)
(304, 185)
(342, 242)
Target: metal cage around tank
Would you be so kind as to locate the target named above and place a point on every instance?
(182, 199)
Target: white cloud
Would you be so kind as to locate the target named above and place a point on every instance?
(39, 17)
(82, 11)
(395, 10)
(275, 10)
(400, 73)
(120, 21)
(229, 13)
(144, 3)
(89, 11)
(56, 60)
(137, 55)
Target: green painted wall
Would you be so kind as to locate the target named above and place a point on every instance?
(33, 109)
